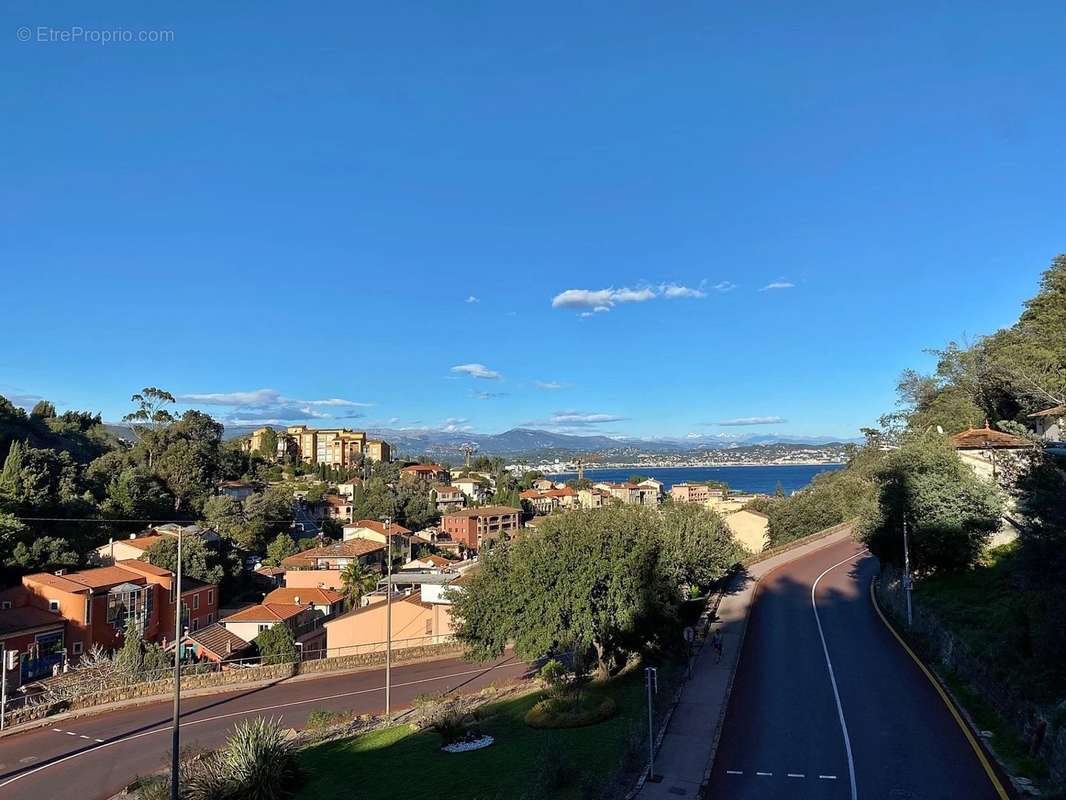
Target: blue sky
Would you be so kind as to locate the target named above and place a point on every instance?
(408, 214)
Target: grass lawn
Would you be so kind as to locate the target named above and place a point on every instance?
(398, 762)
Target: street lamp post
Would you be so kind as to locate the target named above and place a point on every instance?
(651, 680)
(175, 740)
(908, 583)
(388, 619)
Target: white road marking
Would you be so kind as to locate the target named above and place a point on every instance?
(70, 733)
(252, 711)
(765, 774)
(796, 775)
(733, 772)
(828, 777)
(832, 677)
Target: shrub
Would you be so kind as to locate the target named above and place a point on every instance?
(155, 787)
(553, 673)
(571, 711)
(322, 718)
(256, 763)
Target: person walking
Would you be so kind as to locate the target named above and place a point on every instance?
(716, 645)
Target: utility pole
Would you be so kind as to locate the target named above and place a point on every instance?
(177, 679)
(388, 620)
(651, 682)
(3, 686)
(908, 583)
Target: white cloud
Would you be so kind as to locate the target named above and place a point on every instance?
(487, 395)
(583, 418)
(724, 286)
(602, 300)
(472, 299)
(271, 407)
(456, 425)
(778, 284)
(477, 371)
(548, 386)
(673, 291)
(750, 421)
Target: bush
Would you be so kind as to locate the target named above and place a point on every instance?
(451, 722)
(553, 673)
(573, 710)
(320, 719)
(256, 763)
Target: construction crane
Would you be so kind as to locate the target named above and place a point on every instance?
(468, 450)
(582, 461)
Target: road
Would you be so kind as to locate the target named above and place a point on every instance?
(94, 757)
(881, 732)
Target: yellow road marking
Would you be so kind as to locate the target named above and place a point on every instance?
(947, 700)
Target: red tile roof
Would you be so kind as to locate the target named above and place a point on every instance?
(20, 618)
(313, 596)
(1054, 411)
(219, 641)
(266, 612)
(374, 525)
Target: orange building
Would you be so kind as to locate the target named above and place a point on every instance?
(472, 526)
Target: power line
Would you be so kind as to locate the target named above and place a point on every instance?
(127, 519)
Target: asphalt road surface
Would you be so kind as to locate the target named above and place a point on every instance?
(784, 734)
(94, 757)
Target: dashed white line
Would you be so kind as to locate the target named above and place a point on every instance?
(733, 772)
(765, 774)
(828, 777)
(796, 775)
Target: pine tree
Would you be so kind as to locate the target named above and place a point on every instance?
(9, 475)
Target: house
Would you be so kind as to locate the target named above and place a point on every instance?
(750, 529)
(199, 600)
(236, 490)
(271, 577)
(420, 616)
(430, 563)
(475, 488)
(216, 643)
(302, 620)
(36, 635)
(324, 602)
(378, 450)
(334, 507)
(374, 531)
(322, 566)
(693, 492)
(424, 472)
(346, 489)
(985, 450)
(96, 604)
(1050, 424)
(592, 497)
(543, 485)
(448, 498)
(541, 502)
(638, 494)
(473, 526)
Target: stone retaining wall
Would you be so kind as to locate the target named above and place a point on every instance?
(943, 650)
(235, 677)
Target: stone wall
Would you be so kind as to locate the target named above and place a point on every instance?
(235, 677)
(944, 651)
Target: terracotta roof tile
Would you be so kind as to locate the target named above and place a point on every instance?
(314, 596)
(266, 612)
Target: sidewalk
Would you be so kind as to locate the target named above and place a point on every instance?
(687, 750)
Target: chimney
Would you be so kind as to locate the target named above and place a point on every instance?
(133, 536)
(296, 599)
(60, 572)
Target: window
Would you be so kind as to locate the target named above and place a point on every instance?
(76, 648)
(429, 627)
(196, 602)
(263, 627)
(6, 604)
(196, 623)
(53, 605)
(210, 597)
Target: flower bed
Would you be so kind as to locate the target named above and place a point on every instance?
(477, 742)
(571, 710)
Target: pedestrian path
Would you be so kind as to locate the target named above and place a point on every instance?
(686, 754)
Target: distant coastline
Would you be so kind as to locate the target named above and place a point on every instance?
(758, 478)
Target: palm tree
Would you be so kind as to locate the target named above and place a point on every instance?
(356, 581)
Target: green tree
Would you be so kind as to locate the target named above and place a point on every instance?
(277, 645)
(697, 548)
(189, 459)
(43, 410)
(151, 415)
(951, 513)
(44, 554)
(279, 549)
(138, 660)
(9, 475)
(589, 581)
(268, 444)
(356, 581)
(197, 559)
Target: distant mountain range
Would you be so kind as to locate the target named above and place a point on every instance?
(523, 441)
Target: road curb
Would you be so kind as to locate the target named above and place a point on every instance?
(958, 713)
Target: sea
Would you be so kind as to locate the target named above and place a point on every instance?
(755, 478)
